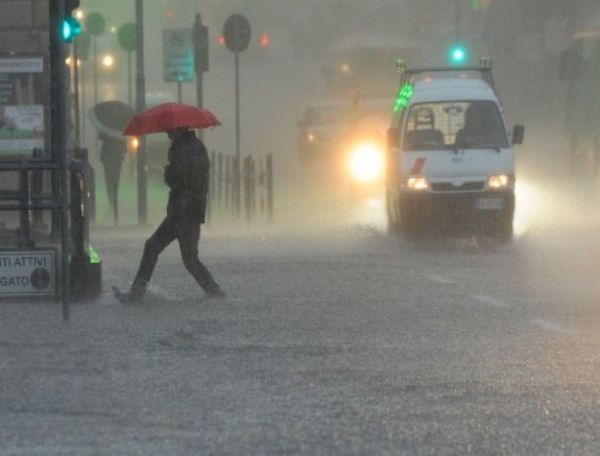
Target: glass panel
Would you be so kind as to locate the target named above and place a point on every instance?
(454, 124)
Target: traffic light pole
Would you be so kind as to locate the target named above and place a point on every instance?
(59, 151)
(141, 106)
(200, 96)
(200, 47)
(238, 155)
(457, 19)
(77, 113)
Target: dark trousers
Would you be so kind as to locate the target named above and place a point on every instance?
(187, 232)
(112, 173)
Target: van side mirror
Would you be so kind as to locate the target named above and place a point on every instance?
(393, 138)
(518, 135)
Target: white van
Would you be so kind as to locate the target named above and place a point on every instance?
(450, 162)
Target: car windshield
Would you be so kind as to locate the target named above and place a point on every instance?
(454, 125)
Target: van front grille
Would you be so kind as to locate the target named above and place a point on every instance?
(465, 187)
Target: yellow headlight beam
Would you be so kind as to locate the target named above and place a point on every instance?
(499, 182)
(418, 183)
(366, 163)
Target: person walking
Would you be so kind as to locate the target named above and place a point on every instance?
(112, 154)
(187, 175)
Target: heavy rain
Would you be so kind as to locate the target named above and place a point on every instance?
(398, 202)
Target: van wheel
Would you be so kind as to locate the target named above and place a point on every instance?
(504, 231)
(412, 225)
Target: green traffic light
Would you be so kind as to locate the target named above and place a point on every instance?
(458, 54)
(70, 29)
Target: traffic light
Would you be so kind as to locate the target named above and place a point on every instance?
(70, 26)
(70, 29)
(458, 54)
(200, 36)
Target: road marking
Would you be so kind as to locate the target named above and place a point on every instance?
(549, 325)
(489, 301)
(439, 279)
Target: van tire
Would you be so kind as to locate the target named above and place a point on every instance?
(504, 230)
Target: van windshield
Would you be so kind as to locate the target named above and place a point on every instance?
(454, 125)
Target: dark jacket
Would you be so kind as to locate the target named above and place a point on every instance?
(112, 150)
(187, 175)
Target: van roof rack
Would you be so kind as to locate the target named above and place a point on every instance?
(409, 76)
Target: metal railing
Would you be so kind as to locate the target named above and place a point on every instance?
(257, 187)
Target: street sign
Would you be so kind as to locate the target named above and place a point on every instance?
(95, 24)
(27, 273)
(237, 33)
(200, 33)
(178, 55)
(127, 37)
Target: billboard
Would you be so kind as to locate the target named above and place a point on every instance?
(22, 99)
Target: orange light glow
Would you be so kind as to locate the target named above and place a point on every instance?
(265, 40)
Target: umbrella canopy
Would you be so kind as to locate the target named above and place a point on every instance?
(168, 116)
(111, 117)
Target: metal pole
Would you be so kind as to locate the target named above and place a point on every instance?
(179, 95)
(246, 186)
(141, 106)
(76, 92)
(270, 186)
(83, 104)
(38, 188)
(59, 141)
(25, 214)
(95, 46)
(457, 19)
(199, 79)
(227, 181)
(237, 171)
(220, 182)
(129, 84)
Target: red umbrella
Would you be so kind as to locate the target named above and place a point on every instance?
(168, 116)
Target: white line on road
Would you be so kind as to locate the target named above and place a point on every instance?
(549, 325)
(439, 279)
(489, 301)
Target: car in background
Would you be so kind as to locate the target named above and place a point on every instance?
(343, 144)
(321, 129)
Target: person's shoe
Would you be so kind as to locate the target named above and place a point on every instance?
(217, 293)
(127, 297)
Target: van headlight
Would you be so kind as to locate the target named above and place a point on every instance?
(417, 183)
(500, 181)
(366, 162)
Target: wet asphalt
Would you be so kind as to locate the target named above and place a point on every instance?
(345, 342)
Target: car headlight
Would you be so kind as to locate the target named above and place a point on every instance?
(417, 183)
(500, 181)
(366, 162)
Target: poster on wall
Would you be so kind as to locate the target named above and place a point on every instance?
(22, 97)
